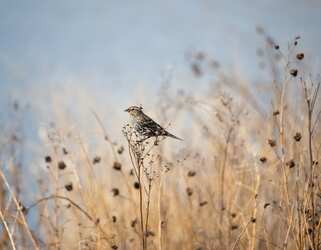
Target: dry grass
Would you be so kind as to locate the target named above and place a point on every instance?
(247, 175)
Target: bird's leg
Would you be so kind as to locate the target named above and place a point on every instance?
(142, 140)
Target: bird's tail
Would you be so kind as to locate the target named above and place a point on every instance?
(173, 136)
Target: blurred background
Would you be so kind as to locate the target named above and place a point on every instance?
(62, 62)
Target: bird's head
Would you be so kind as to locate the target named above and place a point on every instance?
(134, 110)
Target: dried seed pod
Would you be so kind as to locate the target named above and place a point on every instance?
(297, 136)
(96, 159)
(117, 166)
(191, 173)
(272, 142)
(203, 203)
(300, 56)
(48, 159)
(290, 164)
(136, 185)
(189, 191)
(263, 159)
(69, 187)
(62, 165)
(115, 191)
(294, 72)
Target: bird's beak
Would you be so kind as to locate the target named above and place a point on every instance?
(126, 110)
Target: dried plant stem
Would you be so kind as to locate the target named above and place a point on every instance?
(7, 230)
(240, 235)
(310, 102)
(283, 142)
(78, 207)
(254, 213)
(137, 164)
(148, 207)
(159, 209)
(24, 222)
(141, 206)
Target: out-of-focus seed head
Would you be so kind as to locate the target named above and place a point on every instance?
(64, 151)
(115, 191)
(62, 165)
(117, 166)
(272, 142)
(69, 187)
(120, 150)
(136, 185)
(48, 159)
(189, 191)
(203, 203)
(263, 159)
(191, 173)
(196, 69)
(297, 137)
(300, 56)
(134, 222)
(96, 159)
(290, 164)
(294, 72)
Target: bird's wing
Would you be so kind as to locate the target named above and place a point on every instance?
(151, 124)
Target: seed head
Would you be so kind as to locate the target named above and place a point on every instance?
(115, 191)
(69, 187)
(297, 137)
(96, 159)
(290, 164)
(64, 151)
(272, 143)
(136, 185)
(61, 165)
(203, 203)
(300, 56)
(189, 191)
(120, 150)
(48, 159)
(117, 166)
(263, 159)
(191, 173)
(294, 72)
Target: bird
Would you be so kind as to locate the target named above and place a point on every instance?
(146, 126)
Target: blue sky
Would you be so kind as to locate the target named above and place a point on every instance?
(123, 43)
